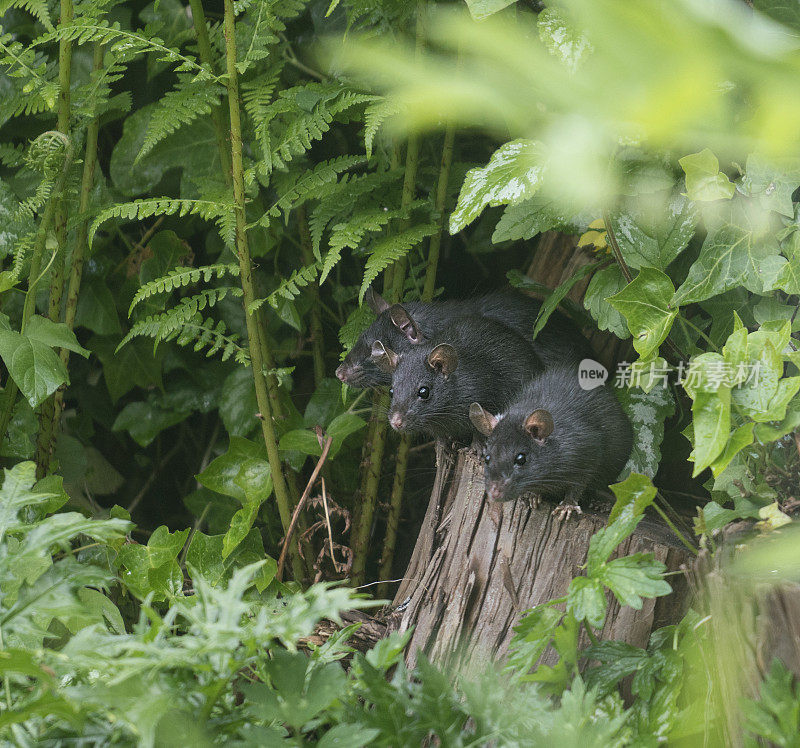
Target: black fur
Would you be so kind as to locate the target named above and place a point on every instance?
(590, 443)
(493, 363)
(559, 342)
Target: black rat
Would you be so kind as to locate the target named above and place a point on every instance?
(434, 382)
(555, 439)
(401, 326)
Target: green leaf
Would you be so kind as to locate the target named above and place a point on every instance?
(562, 39)
(33, 365)
(480, 9)
(238, 407)
(153, 568)
(772, 183)
(635, 577)
(645, 304)
(711, 419)
(704, 181)
(54, 334)
(606, 283)
(96, 308)
(134, 365)
(766, 432)
(301, 440)
(741, 437)
(788, 279)
(513, 174)
(144, 421)
(586, 600)
(551, 303)
(531, 217)
(341, 427)
(647, 412)
(733, 254)
(604, 541)
(652, 234)
(636, 491)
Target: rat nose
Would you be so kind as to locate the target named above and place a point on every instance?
(496, 489)
(395, 421)
(342, 372)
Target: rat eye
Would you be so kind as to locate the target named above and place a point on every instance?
(487, 459)
(423, 392)
(520, 459)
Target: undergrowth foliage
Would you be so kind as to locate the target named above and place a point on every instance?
(196, 207)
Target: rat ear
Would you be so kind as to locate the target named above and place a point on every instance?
(404, 322)
(483, 422)
(375, 301)
(384, 358)
(539, 424)
(444, 359)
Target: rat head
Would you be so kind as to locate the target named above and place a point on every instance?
(394, 326)
(520, 452)
(423, 391)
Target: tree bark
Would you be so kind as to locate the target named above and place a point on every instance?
(478, 565)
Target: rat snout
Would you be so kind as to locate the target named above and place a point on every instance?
(396, 421)
(496, 489)
(343, 372)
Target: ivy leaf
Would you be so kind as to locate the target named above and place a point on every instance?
(788, 279)
(341, 427)
(736, 442)
(634, 577)
(732, 255)
(636, 491)
(645, 304)
(153, 568)
(237, 402)
(605, 283)
(96, 308)
(704, 181)
(513, 174)
(205, 555)
(134, 365)
(772, 184)
(654, 235)
(586, 600)
(33, 365)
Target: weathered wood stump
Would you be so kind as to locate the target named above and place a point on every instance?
(478, 565)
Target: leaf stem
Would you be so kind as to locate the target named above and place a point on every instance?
(315, 326)
(246, 278)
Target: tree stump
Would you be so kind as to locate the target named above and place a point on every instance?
(478, 565)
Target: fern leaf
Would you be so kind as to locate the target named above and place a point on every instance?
(37, 8)
(221, 213)
(289, 288)
(189, 100)
(358, 321)
(180, 278)
(40, 90)
(390, 250)
(310, 183)
(374, 116)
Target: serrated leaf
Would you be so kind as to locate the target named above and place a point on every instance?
(605, 283)
(562, 39)
(636, 491)
(647, 412)
(635, 577)
(586, 600)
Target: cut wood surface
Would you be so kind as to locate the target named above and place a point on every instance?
(478, 565)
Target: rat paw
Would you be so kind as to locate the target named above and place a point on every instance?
(564, 511)
(533, 500)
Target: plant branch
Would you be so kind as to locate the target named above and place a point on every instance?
(300, 504)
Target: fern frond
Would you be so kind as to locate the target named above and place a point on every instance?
(374, 116)
(261, 26)
(37, 8)
(12, 155)
(289, 288)
(182, 277)
(310, 184)
(189, 330)
(390, 250)
(358, 321)
(40, 90)
(126, 44)
(257, 93)
(220, 213)
(351, 232)
(189, 100)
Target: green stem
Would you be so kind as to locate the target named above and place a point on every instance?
(672, 526)
(207, 57)
(47, 411)
(317, 340)
(393, 516)
(246, 278)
